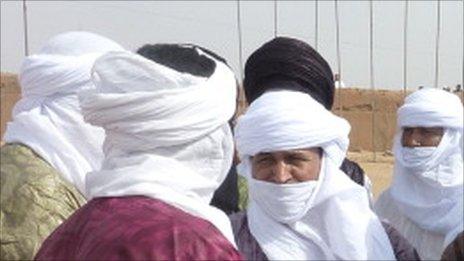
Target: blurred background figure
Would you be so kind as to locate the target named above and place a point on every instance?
(425, 199)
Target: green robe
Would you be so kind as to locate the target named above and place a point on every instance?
(242, 193)
(35, 199)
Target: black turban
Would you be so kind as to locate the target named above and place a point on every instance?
(288, 63)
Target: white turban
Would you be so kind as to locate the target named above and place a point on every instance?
(339, 223)
(167, 132)
(430, 107)
(430, 192)
(47, 118)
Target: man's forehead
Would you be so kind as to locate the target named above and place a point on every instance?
(283, 152)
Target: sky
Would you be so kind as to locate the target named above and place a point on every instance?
(213, 24)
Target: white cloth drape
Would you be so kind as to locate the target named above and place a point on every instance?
(339, 223)
(47, 118)
(429, 192)
(167, 133)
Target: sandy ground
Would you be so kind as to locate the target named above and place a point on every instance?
(379, 170)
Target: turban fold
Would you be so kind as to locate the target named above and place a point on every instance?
(47, 118)
(431, 108)
(288, 63)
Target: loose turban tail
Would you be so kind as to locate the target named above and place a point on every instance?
(291, 64)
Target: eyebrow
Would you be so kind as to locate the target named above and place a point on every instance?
(299, 154)
(263, 154)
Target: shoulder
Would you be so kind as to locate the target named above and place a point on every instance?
(353, 170)
(189, 237)
(23, 169)
(401, 247)
(23, 163)
(35, 197)
(246, 242)
(28, 179)
(139, 227)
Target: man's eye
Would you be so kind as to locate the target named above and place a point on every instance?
(430, 132)
(298, 159)
(407, 130)
(263, 160)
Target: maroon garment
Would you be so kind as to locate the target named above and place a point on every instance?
(135, 228)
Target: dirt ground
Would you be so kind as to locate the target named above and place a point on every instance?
(379, 170)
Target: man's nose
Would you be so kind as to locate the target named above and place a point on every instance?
(281, 173)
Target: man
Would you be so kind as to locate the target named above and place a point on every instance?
(49, 148)
(226, 196)
(291, 64)
(168, 148)
(302, 207)
(425, 199)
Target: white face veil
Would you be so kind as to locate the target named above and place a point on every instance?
(338, 223)
(167, 132)
(47, 118)
(430, 191)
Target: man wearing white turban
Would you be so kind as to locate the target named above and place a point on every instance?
(302, 207)
(49, 148)
(425, 199)
(168, 147)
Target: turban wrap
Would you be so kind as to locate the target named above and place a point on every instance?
(338, 223)
(47, 118)
(430, 192)
(288, 63)
(167, 132)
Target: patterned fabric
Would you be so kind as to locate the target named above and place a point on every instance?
(34, 201)
(135, 228)
(251, 250)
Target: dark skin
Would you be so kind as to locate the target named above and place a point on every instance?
(284, 167)
(421, 136)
